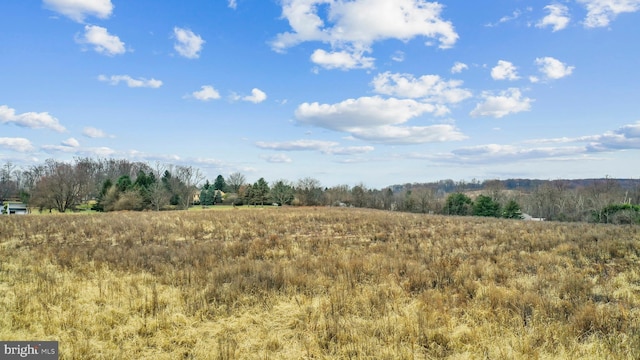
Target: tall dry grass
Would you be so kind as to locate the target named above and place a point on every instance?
(319, 283)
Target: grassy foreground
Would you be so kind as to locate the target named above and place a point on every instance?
(319, 283)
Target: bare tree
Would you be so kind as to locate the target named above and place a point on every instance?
(158, 194)
(235, 181)
(309, 192)
(61, 186)
(189, 178)
(8, 183)
(425, 199)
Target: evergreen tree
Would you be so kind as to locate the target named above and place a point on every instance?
(220, 184)
(458, 204)
(485, 206)
(282, 193)
(260, 192)
(512, 210)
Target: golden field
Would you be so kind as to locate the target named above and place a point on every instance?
(325, 283)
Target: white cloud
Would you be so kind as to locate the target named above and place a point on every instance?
(405, 135)
(102, 41)
(349, 150)
(80, 151)
(493, 153)
(233, 4)
(257, 96)
(131, 82)
(71, 142)
(430, 88)
(325, 147)
(343, 60)
(187, 43)
(16, 144)
(507, 102)
(297, 145)
(94, 133)
(377, 119)
(78, 10)
(601, 12)
(362, 112)
(346, 30)
(458, 67)
(206, 93)
(505, 70)
(553, 68)
(277, 158)
(516, 14)
(31, 120)
(558, 17)
(626, 137)
(398, 56)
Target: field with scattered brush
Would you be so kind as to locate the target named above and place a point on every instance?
(325, 283)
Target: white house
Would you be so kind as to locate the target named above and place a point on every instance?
(17, 209)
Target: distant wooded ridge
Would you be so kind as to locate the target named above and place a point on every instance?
(526, 185)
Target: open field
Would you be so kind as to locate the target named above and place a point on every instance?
(296, 283)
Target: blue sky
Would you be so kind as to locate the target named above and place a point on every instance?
(378, 92)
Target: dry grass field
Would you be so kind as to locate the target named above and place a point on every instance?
(305, 283)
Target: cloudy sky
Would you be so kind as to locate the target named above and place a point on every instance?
(345, 91)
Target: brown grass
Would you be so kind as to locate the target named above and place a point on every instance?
(319, 283)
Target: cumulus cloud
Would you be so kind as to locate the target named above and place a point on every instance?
(553, 68)
(406, 135)
(345, 29)
(187, 43)
(257, 96)
(94, 133)
(71, 142)
(506, 102)
(342, 60)
(206, 93)
(458, 67)
(429, 88)
(233, 4)
(377, 119)
(78, 10)
(505, 70)
(101, 40)
(16, 144)
(558, 17)
(361, 112)
(601, 12)
(131, 82)
(31, 120)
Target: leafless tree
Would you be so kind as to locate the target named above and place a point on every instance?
(235, 181)
(158, 194)
(8, 183)
(309, 191)
(61, 186)
(188, 180)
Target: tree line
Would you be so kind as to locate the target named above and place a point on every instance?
(118, 184)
